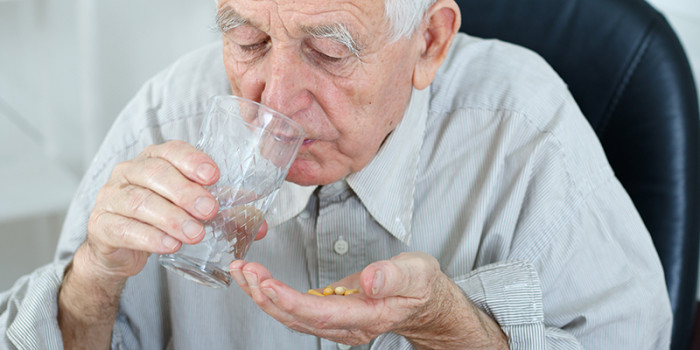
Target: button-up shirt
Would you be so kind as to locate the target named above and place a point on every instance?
(492, 170)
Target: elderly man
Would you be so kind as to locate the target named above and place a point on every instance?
(452, 180)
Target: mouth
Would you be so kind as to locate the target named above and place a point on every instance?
(308, 142)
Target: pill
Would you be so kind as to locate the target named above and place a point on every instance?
(329, 290)
(314, 292)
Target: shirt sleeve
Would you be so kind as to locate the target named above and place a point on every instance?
(583, 289)
(28, 311)
(509, 292)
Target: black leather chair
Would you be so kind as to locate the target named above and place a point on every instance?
(628, 72)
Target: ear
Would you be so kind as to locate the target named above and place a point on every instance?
(435, 37)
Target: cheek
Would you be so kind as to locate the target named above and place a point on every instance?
(377, 110)
(242, 78)
(365, 111)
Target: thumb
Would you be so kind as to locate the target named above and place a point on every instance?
(405, 275)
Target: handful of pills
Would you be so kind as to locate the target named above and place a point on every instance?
(329, 290)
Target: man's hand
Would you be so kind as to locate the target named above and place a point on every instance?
(151, 204)
(408, 295)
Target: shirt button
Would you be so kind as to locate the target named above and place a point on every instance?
(344, 346)
(304, 215)
(341, 246)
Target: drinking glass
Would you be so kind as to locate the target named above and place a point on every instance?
(253, 147)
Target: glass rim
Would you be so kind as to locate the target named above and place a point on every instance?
(276, 113)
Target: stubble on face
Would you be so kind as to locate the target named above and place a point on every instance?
(347, 116)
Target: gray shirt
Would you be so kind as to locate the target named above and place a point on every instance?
(493, 170)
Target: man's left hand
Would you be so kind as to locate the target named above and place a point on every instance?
(408, 295)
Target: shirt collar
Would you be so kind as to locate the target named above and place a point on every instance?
(291, 200)
(386, 185)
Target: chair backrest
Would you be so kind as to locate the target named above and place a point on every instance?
(629, 74)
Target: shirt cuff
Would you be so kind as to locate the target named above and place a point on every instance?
(32, 309)
(510, 293)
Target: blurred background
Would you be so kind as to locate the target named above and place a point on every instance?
(66, 70)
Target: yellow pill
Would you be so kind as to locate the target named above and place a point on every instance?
(314, 292)
(328, 290)
(340, 290)
(351, 291)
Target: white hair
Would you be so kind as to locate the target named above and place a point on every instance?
(405, 16)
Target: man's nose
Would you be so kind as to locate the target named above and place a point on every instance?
(285, 87)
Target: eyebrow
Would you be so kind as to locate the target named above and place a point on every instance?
(337, 32)
(227, 18)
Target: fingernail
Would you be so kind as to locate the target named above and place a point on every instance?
(236, 273)
(270, 293)
(192, 229)
(241, 281)
(205, 171)
(169, 242)
(204, 205)
(251, 278)
(378, 282)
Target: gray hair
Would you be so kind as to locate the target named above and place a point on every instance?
(405, 16)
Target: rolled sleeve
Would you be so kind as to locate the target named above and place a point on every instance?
(29, 310)
(510, 293)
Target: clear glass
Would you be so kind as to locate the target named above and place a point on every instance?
(254, 147)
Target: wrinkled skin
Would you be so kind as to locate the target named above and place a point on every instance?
(347, 104)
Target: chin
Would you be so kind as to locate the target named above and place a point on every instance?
(309, 173)
(302, 175)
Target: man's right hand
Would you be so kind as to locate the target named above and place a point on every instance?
(151, 204)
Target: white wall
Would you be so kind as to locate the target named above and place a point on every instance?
(66, 69)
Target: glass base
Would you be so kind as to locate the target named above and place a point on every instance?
(205, 274)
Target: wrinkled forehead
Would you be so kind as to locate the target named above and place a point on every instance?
(360, 17)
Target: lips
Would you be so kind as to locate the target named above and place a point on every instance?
(308, 142)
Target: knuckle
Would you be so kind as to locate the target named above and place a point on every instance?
(122, 168)
(94, 221)
(137, 200)
(187, 193)
(103, 196)
(182, 195)
(172, 147)
(157, 167)
(149, 150)
(125, 231)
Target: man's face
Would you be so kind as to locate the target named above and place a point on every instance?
(328, 65)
